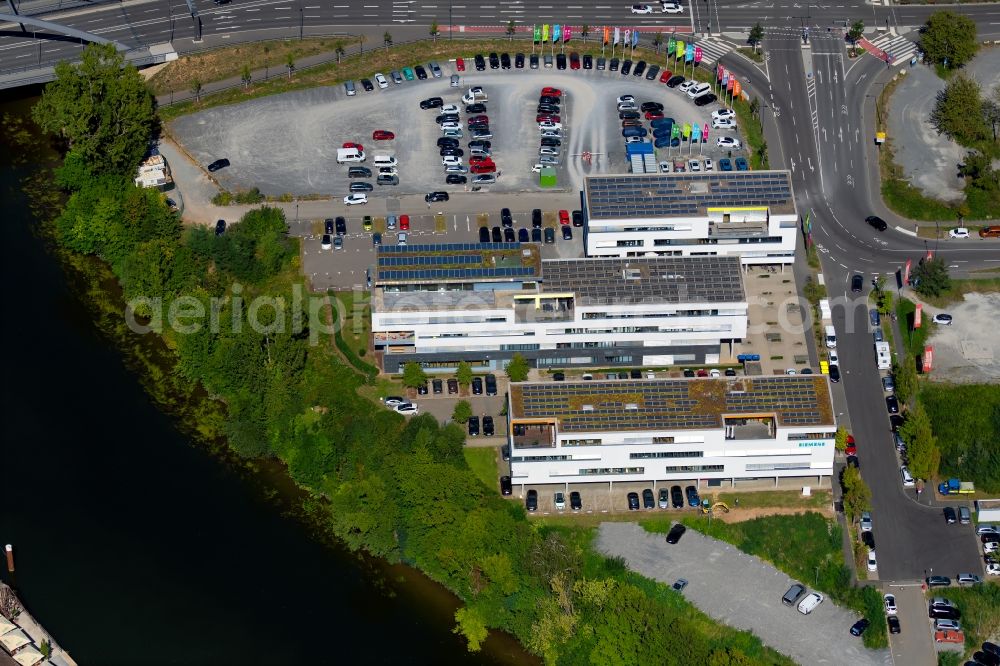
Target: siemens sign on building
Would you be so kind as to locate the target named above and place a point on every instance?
(694, 431)
(749, 214)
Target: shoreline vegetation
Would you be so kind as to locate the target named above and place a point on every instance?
(398, 489)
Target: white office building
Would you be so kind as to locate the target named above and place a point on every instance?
(747, 214)
(697, 431)
(481, 303)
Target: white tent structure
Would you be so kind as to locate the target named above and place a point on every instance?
(14, 639)
(6, 625)
(28, 656)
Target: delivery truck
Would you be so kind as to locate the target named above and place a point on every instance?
(956, 487)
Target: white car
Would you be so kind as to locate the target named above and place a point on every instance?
(908, 481)
(991, 547)
(958, 232)
(834, 359)
(393, 400)
(626, 99)
(451, 160)
(325, 243)
(890, 604)
(633, 139)
(559, 501)
(355, 198)
(810, 602)
(664, 167)
(993, 569)
(714, 372)
(450, 108)
(537, 168)
(724, 123)
(687, 85)
(401, 238)
(942, 318)
(642, 9)
(407, 408)
(456, 168)
(549, 125)
(698, 90)
(451, 125)
(550, 134)
(987, 529)
(548, 150)
(723, 113)
(380, 80)
(694, 165)
(872, 564)
(728, 142)
(709, 165)
(672, 8)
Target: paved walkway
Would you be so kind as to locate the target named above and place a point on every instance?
(741, 591)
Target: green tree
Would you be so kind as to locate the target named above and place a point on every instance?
(933, 276)
(949, 39)
(45, 648)
(102, 108)
(511, 29)
(584, 31)
(755, 107)
(245, 76)
(414, 375)
(517, 368)
(658, 40)
(338, 48)
(756, 36)
(921, 445)
(857, 494)
(462, 412)
(841, 439)
(856, 31)
(991, 110)
(290, 64)
(905, 378)
(387, 40)
(762, 152)
(471, 625)
(464, 373)
(958, 111)
(434, 31)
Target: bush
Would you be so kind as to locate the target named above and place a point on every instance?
(965, 420)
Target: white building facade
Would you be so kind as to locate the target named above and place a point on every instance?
(747, 214)
(699, 431)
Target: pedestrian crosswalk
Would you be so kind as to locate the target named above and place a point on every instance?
(712, 49)
(898, 48)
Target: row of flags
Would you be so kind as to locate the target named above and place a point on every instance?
(691, 131)
(558, 32)
(728, 81)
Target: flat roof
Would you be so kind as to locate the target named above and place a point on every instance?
(623, 196)
(456, 262)
(673, 404)
(610, 280)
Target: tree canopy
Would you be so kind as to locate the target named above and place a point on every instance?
(517, 368)
(933, 276)
(949, 39)
(959, 112)
(102, 108)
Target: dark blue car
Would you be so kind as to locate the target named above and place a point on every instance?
(725, 164)
(741, 164)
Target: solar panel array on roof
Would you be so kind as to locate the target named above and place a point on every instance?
(446, 247)
(674, 404)
(659, 195)
(456, 273)
(431, 260)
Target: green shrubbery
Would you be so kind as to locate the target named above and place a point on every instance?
(225, 197)
(965, 420)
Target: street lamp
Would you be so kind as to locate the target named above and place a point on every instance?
(451, 29)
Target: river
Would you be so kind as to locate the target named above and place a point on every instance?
(136, 545)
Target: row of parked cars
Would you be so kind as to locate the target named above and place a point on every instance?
(397, 77)
(675, 499)
(550, 138)
(481, 164)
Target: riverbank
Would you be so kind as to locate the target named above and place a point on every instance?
(23, 638)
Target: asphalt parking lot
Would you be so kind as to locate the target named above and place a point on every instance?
(599, 498)
(288, 143)
(741, 591)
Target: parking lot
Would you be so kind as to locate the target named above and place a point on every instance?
(288, 143)
(600, 498)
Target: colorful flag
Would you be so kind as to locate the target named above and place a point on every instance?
(555, 33)
(697, 55)
(680, 48)
(617, 35)
(566, 32)
(704, 132)
(671, 44)
(906, 273)
(545, 32)
(675, 131)
(689, 53)
(635, 37)
(696, 131)
(719, 71)
(607, 35)
(537, 32)
(725, 78)
(737, 89)
(732, 82)
(628, 37)
(686, 130)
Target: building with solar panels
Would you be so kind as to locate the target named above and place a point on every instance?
(691, 431)
(749, 214)
(438, 305)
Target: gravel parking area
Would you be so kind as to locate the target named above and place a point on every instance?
(288, 143)
(962, 353)
(741, 591)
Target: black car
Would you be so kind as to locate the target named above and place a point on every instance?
(859, 627)
(567, 232)
(488, 426)
(703, 100)
(437, 386)
(547, 108)
(560, 61)
(459, 179)
(992, 648)
(550, 235)
(729, 372)
(447, 142)
(986, 658)
(688, 372)
(447, 118)
(628, 115)
(944, 613)
(558, 377)
(536, 235)
(484, 234)
(505, 449)
(341, 226)
(633, 501)
(549, 141)
(359, 172)
(218, 164)
(448, 150)
(635, 373)
(432, 103)
(675, 81)
(509, 236)
(369, 86)
(328, 226)
(452, 386)
(431, 197)
(491, 385)
(640, 67)
(652, 72)
(504, 61)
(892, 404)
(575, 502)
(868, 539)
(613, 65)
(895, 422)
(473, 426)
(577, 218)
(534, 61)
(220, 227)
(588, 61)
(359, 186)
(648, 501)
(419, 71)
(548, 99)
(523, 236)
(475, 108)
(893, 624)
(494, 61)
(506, 219)
(485, 145)
(855, 462)
(856, 283)
(877, 222)
(506, 487)
(422, 389)
(497, 235)
(675, 533)
(949, 515)
(480, 62)
(650, 106)
(519, 61)
(834, 373)
(626, 68)
(477, 385)
(676, 497)
(531, 503)
(536, 218)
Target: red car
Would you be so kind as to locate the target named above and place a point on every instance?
(551, 92)
(564, 217)
(479, 120)
(852, 447)
(665, 76)
(383, 135)
(404, 222)
(483, 168)
(653, 115)
(546, 116)
(460, 65)
(480, 160)
(574, 61)
(349, 144)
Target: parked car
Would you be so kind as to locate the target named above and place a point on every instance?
(675, 533)
(676, 497)
(488, 426)
(648, 502)
(531, 501)
(633, 501)
(859, 627)
(793, 594)
(575, 501)
(218, 164)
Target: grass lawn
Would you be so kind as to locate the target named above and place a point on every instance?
(775, 498)
(913, 340)
(980, 606)
(483, 463)
(961, 287)
(964, 421)
(357, 323)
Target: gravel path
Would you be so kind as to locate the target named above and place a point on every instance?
(741, 591)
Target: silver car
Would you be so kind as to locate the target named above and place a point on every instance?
(397, 78)
(484, 179)
(550, 160)
(435, 70)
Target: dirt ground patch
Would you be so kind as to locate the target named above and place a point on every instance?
(965, 352)
(741, 515)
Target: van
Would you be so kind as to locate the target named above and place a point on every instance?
(387, 179)
(793, 594)
(810, 603)
(350, 155)
(989, 232)
(350, 89)
(699, 90)
(947, 625)
(385, 161)
(830, 337)
(964, 516)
